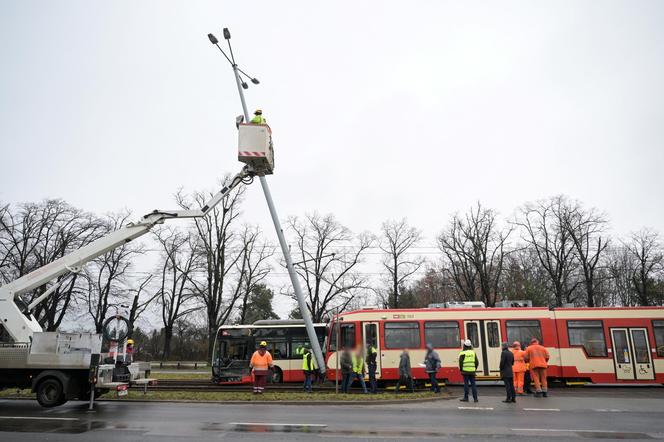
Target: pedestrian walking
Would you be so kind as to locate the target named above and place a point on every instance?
(346, 365)
(506, 373)
(359, 369)
(260, 364)
(519, 367)
(538, 358)
(309, 367)
(405, 372)
(372, 366)
(468, 364)
(431, 365)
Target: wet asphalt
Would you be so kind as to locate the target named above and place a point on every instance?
(568, 414)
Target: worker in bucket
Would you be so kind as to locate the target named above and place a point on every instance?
(260, 364)
(258, 117)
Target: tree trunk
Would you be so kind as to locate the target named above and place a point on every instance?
(168, 338)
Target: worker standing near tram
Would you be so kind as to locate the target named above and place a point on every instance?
(359, 369)
(538, 358)
(372, 366)
(468, 364)
(519, 367)
(309, 367)
(258, 117)
(260, 364)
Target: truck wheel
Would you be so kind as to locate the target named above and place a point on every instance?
(50, 393)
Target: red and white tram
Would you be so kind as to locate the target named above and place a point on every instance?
(598, 345)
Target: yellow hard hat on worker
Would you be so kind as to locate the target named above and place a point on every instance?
(263, 344)
(130, 341)
(258, 112)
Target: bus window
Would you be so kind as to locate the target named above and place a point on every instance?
(278, 348)
(473, 333)
(589, 335)
(442, 334)
(347, 336)
(402, 335)
(524, 332)
(493, 334)
(658, 328)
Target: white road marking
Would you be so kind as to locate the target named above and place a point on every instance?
(608, 410)
(563, 430)
(41, 418)
(475, 408)
(277, 424)
(542, 409)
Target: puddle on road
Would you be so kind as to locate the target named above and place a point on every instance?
(28, 425)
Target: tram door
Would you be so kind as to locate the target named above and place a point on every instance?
(485, 337)
(371, 337)
(631, 353)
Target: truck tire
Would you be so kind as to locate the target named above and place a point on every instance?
(50, 393)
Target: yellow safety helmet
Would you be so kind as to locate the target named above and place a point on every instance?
(130, 341)
(263, 344)
(258, 112)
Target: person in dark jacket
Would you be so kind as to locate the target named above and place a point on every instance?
(432, 364)
(346, 365)
(372, 366)
(405, 373)
(506, 372)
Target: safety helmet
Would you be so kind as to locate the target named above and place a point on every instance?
(258, 112)
(263, 344)
(307, 345)
(130, 342)
(467, 343)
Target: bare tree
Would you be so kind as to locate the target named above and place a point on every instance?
(525, 278)
(396, 242)
(180, 260)
(107, 275)
(36, 234)
(327, 262)
(475, 248)
(254, 268)
(216, 239)
(141, 300)
(586, 228)
(647, 255)
(545, 229)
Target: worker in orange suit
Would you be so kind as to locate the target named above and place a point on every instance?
(260, 364)
(538, 358)
(519, 367)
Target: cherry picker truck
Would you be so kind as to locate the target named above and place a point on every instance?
(61, 366)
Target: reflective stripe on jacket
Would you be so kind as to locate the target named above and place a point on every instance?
(537, 356)
(469, 358)
(519, 361)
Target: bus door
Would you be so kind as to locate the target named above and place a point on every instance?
(631, 353)
(371, 337)
(485, 337)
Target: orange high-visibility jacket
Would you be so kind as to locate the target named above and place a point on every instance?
(259, 362)
(519, 361)
(537, 356)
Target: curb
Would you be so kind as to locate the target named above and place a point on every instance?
(187, 401)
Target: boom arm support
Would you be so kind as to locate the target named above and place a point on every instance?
(21, 324)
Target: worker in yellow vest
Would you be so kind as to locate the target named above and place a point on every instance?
(468, 363)
(309, 367)
(258, 117)
(359, 369)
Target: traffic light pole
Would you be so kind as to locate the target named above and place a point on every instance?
(304, 310)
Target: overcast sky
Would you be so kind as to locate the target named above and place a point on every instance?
(378, 109)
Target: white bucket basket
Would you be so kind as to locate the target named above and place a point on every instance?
(255, 147)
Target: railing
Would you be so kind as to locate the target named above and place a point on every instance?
(14, 345)
(180, 365)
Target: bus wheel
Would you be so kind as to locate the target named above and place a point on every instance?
(50, 393)
(277, 376)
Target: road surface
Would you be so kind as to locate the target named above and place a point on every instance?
(568, 414)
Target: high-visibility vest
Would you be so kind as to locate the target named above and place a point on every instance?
(258, 119)
(468, 361)
(299, 351)
(308, 362)
(358, 364)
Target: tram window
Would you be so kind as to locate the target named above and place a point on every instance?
(402, 335)
(493, 334)
(658, 328)
(347, 336)
(589, 335)
(473, 333)
(523, 331)
(640, 347)
(442, 334)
